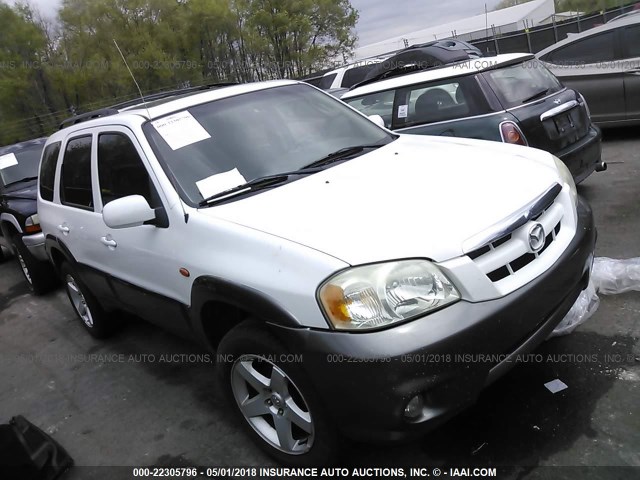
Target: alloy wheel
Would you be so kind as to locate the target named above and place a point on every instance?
(272, 404)
(78, 301)
(25, 269)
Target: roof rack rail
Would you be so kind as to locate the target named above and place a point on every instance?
(112, 110)
(83, 117)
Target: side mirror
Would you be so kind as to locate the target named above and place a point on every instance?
(378, 120)
(131, 211)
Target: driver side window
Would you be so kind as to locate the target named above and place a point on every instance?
(379, 103)
(121, 172)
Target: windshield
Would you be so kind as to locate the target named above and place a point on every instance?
(222, 144)
(523, 82)
(19, 165)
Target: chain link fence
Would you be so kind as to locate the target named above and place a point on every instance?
(534, 39)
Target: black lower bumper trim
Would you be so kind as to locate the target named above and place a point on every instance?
(365, 380)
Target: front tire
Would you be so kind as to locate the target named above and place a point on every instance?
(39, 275)
(275, 403)
(94, 318)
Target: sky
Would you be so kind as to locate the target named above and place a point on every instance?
(379, 19)
(383, 19)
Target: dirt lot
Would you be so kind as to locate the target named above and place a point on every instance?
(114, 409)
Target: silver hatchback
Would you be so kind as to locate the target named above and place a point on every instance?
(603, 64)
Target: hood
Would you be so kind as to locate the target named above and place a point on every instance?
(22, 191)
(416, 197)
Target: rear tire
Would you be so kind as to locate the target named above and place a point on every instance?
(39, 275)
(273, 400)
(94, 318)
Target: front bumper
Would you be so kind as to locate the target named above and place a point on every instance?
(366, 379)
(584, 156)
(35, 245)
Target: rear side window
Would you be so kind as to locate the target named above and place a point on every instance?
(632, 41)
(48, 170)
(428, 104)
(120, 170)
(327, 81)
(440, 101)
(313, 81)
(356, 75)
(593, 49)
(75, 180)
(522, 83)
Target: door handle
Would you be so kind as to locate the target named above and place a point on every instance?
(63, 228)
(109, 242)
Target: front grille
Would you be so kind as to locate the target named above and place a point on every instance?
(509, 254)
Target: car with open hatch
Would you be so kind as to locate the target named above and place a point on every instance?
(20, 231)
(509, 98)
(314, 251)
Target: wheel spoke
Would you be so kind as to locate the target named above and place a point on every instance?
(278, 382)
(255, 407)
(296, 415)
(252, 376)
(283, 429)
(73, 287)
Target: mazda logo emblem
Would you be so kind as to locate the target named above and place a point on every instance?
(557, 101)
(536, 237)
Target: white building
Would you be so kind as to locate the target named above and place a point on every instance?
(472, 28)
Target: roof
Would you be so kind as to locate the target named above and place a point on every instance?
(629, 20)
(514, 17)
(165, 106)
(456, 70)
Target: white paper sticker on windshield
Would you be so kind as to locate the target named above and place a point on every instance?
(8, 160)
(220, 182)
(403, 111)
(180, 130)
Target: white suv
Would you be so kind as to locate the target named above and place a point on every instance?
(351, 281)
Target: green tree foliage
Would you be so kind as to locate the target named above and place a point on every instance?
(48, 72)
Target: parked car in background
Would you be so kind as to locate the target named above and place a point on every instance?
(239, 217)
(20, 231)
(509, 98)
(603, 64)
(347, 76)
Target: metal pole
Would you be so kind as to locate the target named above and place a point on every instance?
(495, 39)
(555, 29)
(579, 26)
(526, 31)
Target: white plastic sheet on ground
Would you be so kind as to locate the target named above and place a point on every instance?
(608, 277)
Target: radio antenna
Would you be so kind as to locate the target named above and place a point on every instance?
(186, 215)
(133, 77)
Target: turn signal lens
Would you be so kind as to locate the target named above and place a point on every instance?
(32, 224)
(511, 134)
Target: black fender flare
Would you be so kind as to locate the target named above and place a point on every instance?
(52, 243)
(259, 306)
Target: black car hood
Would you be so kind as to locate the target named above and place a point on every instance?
(21, 191)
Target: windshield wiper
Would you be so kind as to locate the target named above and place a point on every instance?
(339, 155)
(257, 184)
(536, 95)
(25, 179)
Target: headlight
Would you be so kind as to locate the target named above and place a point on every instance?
(567, 178)
(374, 296)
